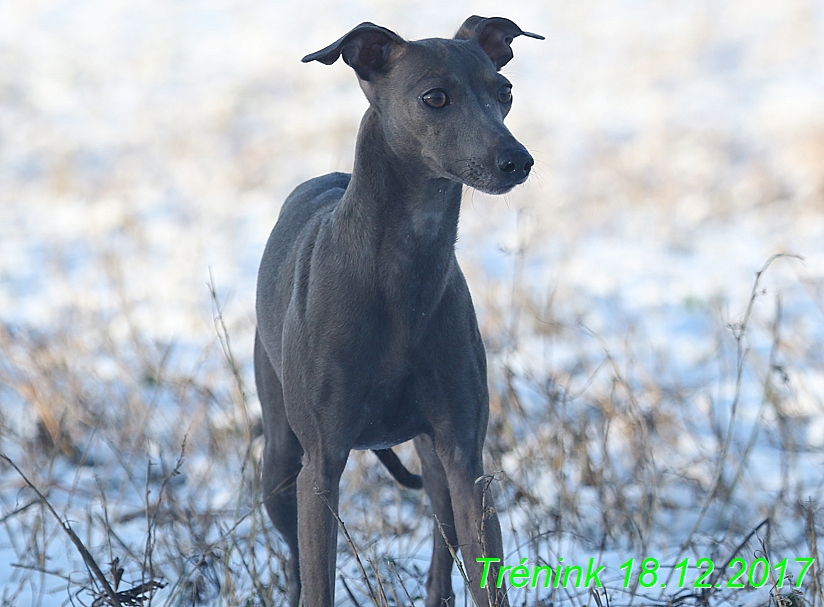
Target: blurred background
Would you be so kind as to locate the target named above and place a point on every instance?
(649, 397)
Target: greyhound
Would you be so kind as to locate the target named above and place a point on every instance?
(366, 334)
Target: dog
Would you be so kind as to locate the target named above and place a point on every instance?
(366, 334)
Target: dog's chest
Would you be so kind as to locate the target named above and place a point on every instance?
(391, 412)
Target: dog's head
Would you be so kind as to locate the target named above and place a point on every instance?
(442, 102)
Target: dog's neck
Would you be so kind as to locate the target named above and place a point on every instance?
(399, 227)
(396, 202)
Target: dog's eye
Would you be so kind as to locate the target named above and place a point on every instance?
(505, 94)
(436, 98)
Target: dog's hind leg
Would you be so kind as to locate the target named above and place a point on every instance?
(281, 465)
(439, 581)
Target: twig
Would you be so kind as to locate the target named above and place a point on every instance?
(17, 511)
(348, 591)
(381, 591)
(768, 390)
(352, 546)
(58, 574)
(400, 579)
(812, 542)
(741, 353)
(151, 518)
(225, 344)
(456, 559)
(487, 480)
(134, 596)
(81, 548)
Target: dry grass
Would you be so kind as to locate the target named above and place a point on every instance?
(151, 470)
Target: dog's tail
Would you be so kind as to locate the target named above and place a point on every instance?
(398, 470)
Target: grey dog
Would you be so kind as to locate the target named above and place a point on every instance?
(367, 335)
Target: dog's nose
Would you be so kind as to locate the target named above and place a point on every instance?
(515, 162)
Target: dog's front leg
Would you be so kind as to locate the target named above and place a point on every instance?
(318, 491)
(479, 532)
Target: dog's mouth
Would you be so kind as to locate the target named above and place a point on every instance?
(476, 175)
(496, 191)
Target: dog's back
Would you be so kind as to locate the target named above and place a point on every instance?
(296, 227)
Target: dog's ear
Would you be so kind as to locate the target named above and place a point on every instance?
(365, 49)
(494, 35)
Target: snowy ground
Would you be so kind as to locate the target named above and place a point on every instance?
(144, 152)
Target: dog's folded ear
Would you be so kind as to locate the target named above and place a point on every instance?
(365, 49)
(494, 35)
